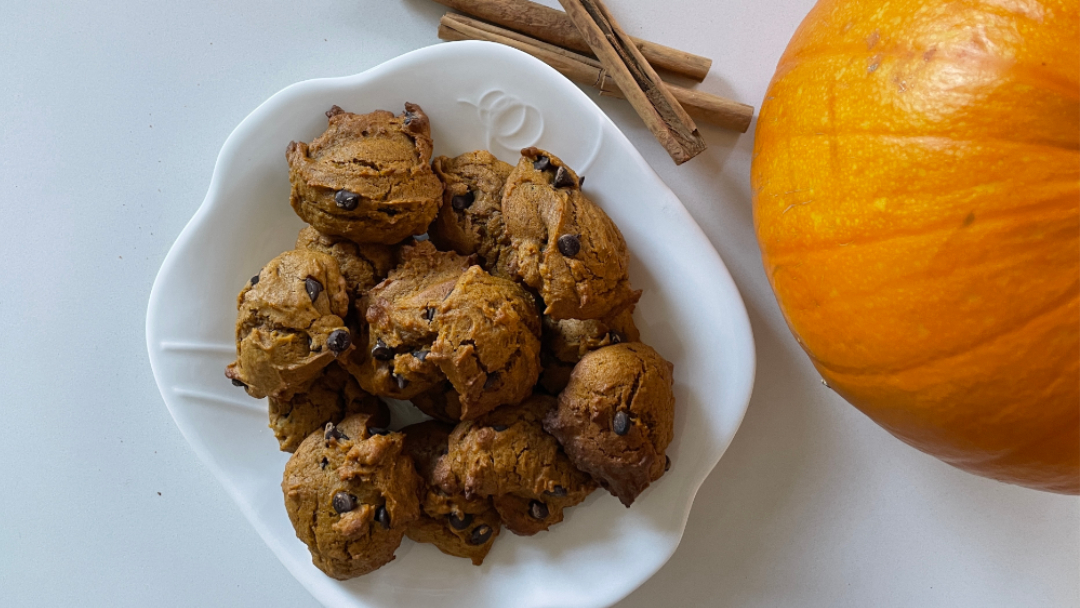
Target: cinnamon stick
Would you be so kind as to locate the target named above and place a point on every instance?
(553, 26)
(667, 120)
(713, 109)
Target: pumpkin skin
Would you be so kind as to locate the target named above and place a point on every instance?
(916, 184)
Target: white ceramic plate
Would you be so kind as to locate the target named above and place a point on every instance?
(478, 95)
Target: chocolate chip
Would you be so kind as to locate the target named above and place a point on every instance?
(492, 380)
(499, 427)
(382, 516)
(538, 509)
(313, 287)
(334, 111)
(346, 200)
(339, 340)
(236, 382)
(324, 462)
(569, 245)
(410, 118)
(420, 354)
(332, 432)
(460, 523)
(563, 179)
(343, 502)
(462, 201)
(429, 313)
(557, 491)
(378, 430)
(481, 534)
(382, 352)
(401, 381)
(621, 424)
(581, 181)
(614, 337)
(667, 463)
(542, 163)
(254, 280)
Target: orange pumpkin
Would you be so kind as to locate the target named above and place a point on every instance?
(916, 182)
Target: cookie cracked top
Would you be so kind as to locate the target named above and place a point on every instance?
(563, 244)
(392, 358)
(351, 492)
(367, 177)
(470, 220)
(507, 455)
(615, 419)
(290, 324)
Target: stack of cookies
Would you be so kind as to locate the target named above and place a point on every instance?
(511, 326)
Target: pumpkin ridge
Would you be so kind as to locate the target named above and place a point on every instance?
(1070, 296)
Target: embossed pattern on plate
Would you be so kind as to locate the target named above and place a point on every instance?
(478, 95)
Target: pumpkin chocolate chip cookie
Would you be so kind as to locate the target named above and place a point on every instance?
(332, 396)
(616, 417)
(488, 343)
(470, 219)
(351, 492)
(564, 245)
(290, 324)
(460, 526)
(367, 178)
(392, 358)
(507, 455)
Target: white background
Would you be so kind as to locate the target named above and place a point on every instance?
(111, 116)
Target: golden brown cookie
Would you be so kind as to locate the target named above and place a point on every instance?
(470, 219)
(367, 178)
(332, 396)
(507, 455)
(350, 496)
(616, 417)
(459, 526)
(564, 245)
(488, 343)
(290, 324)
(566, 341)
(391, 356)
(363, 266)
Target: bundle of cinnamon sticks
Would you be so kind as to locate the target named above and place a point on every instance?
(619, 65)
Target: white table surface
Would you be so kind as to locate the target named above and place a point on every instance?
(111, 116)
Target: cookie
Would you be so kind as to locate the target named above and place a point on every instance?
(391, 358)
(470, 219)
(507, 455)
(563, 244)
(290, 324)
(488, 344)
(566, 341)
(615, 418)
(363, 266)
(456, 525)
(367, 177)
(332, 396)
(350, 495)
